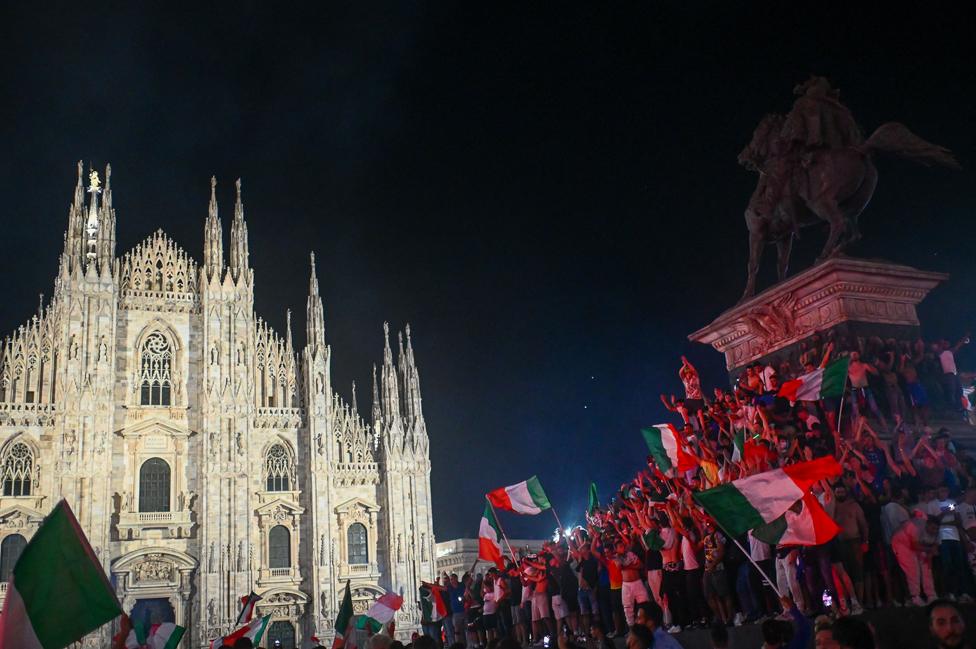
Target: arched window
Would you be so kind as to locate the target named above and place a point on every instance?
(282, 633)
(356, 544)
(10, 551)
(155, 374)
(154, 486)
(18, 469)
(278, 468)
(279, 547)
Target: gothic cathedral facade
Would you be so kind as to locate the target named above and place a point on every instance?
(204, 456)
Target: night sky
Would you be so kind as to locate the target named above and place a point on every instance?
(550, 198)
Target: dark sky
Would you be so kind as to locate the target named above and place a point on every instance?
(549, 197)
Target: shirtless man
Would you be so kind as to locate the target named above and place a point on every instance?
(857, 372)
(634, 591)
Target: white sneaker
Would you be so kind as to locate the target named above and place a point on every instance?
(674, 629)
(918, 601)
(856, 608)
(739, 619)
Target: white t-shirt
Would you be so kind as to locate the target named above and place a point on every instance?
(948, 531)
(758, 550)
(948, 362)
(688, 555)
(767, 372)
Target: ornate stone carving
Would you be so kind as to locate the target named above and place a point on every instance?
(154, 568)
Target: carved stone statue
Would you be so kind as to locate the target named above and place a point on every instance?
(813, 166)
(212, 613)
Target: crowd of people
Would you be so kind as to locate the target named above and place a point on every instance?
(651, 558)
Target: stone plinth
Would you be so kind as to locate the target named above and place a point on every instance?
(861, 297)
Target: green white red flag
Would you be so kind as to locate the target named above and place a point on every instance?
(344, 629)
(668, 449)
(58, 592)
(247, 608)
(380, 613)
(821, 383)
(747, 503)
(433, 602)
(525, 497)
(166, 635)
(805, 523)
(489, 539)
(253, 630)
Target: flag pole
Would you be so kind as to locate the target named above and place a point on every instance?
(558, 522)
(502, 530)
(772, 584)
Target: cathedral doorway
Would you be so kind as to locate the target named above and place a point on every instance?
(281, 635)
(152, 611)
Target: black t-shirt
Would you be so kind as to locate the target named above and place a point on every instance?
(568, 583)
(589, 569)
(653, 560)
(515, 585)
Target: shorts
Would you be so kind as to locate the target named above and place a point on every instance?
(559, 608)
(540, 606)
(715, 584)
(489, 621)
(850, 556)
(587, 601)
(518, 615)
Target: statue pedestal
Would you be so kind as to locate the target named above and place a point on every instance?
(845, 297)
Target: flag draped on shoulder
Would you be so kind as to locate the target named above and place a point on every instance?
(59, 591)
(747, 503)
(344, 622)
(805, 523)
(166, 635)
(523, 498)
(668, 449)
(489, 539)
(253, 630)
(822, 383)
(247, 608)
(433, 604)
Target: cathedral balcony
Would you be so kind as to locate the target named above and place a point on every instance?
(273, 417)
(138, 525)
(27, 414)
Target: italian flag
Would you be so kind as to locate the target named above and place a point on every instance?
(380, 613)
(489, 547)
(821, 383)
(744, 448)
(158, 636)
(58, 592)
(594, 500)
(523, 498)
(344, 623)
(253, 630)
(434, 607)
(667, 449)
(247, 608)
(805, 523)
(747, 503)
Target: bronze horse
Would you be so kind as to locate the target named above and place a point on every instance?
(801, 188)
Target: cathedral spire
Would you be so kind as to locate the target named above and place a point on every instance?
(315, 314)
(213, 237)
(389, 381)
(377, 411)
(74, 238)
(238, 238)
(355, 405)
(106, 227)
(288, 344)
(411, 383)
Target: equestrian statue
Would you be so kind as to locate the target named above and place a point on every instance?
(814, 165)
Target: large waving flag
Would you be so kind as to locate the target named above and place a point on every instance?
(821, 383)
(253, 630)
(380, 613)
(523, 498)
(247, 608)
(59, 591)
(805, 523)
(344, 636)
(489, 539)
(668, 449)
(594, 500)
(747, 503)
(158, 636)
